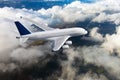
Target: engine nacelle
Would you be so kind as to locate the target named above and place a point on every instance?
(65, 46)
(68, 42)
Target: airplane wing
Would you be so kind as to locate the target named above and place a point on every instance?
(59, 42)
(35, 28)
(41, 26)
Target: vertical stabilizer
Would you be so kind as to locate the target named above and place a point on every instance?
(22, 30)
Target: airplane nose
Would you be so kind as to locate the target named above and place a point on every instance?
(85, 32)
(81, 31)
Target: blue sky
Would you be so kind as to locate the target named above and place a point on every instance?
(53, 0)
(87, 0)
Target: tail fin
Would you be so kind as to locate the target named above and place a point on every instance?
(22, 30)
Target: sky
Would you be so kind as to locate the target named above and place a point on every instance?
(53, 0)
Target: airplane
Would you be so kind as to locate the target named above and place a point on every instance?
(58, 37)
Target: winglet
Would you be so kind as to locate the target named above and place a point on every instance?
(22, 30)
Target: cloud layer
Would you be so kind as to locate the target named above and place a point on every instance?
(105, 55)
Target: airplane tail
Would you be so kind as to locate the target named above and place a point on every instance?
(22, 30)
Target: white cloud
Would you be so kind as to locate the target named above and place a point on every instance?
(98, 12)
(112, 42)
(102, 55)
(10, 50)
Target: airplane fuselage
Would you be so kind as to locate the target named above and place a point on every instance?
(56, 33)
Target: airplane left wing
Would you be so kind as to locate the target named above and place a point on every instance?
(41, 26)
(59, 42)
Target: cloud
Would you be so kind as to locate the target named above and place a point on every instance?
(112, 41)
(95, 35)
(101, 11)
(100, 55)
(10, 51)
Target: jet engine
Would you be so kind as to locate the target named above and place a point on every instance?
(65, 46)
(68, 42)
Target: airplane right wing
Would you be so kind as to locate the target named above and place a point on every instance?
(59, 42)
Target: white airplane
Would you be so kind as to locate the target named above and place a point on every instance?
(59, 37)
